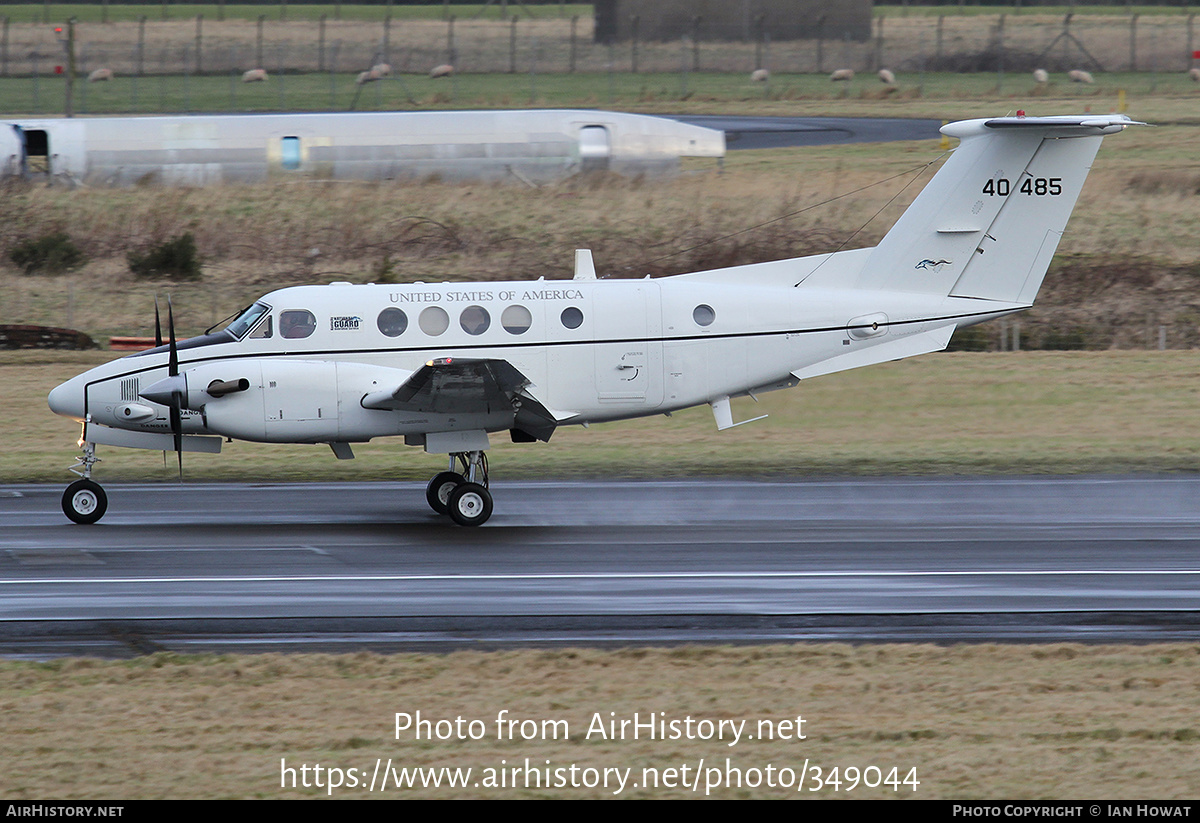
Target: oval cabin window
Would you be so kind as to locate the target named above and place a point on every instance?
(434, 321)
(516, 320)
(392, 322)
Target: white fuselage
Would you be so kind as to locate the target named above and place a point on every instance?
(593, 350)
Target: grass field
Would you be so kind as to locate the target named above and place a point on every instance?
(974, 722)
(1162, 95)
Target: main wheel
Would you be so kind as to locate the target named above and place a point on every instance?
(437, 493)
(470, 505)
(84, 501)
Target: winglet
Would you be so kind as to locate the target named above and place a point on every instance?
(584, 268)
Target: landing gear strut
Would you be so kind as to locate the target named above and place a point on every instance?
(84, 501)
(462, 494)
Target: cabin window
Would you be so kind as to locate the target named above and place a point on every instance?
(516, 320)
(572, 317)
(296, 324)
(289, 152)
(434, 321)
(392, 322)
(704, 315)
(474, 320)
(263, 330)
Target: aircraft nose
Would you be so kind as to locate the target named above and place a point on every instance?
(67, 400)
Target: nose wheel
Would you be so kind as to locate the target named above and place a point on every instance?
(462, 491)
(84, 501)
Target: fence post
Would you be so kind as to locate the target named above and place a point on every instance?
(1133, 18)
(1000, 54)
(141, 47)
(4, 50)
(104, 12)
(821, 44)
(450, 56)
(512, 45)
(258, 58)
(1192, 60)
(696, 21)
(758, 42)
(70, 101)
(633, 54)
(879, 43)
(387, 35)
(321, 43)
(571, 53)
(199, 41)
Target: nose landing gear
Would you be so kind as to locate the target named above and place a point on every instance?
(84, 501)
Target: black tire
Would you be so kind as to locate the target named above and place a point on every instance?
(437, 493)
(470, 505)
(84, 502)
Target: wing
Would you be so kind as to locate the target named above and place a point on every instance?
(452, 385)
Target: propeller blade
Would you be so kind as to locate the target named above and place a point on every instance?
(176, 395)
(157, 324)
(173, 361)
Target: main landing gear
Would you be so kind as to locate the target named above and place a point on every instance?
(84, 501)
(462, 494)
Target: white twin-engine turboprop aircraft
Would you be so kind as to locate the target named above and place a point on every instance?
(445, 365)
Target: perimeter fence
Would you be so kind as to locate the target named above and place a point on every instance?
(200, 47)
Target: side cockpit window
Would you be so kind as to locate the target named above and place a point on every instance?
(247, 320)
(296, 324)
(263, 330)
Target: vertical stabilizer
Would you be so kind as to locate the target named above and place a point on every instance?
(988, 223)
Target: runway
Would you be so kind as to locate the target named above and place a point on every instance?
(346, 566)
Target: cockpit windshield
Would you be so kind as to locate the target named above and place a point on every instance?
(246, 320)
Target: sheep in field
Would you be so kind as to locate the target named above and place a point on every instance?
(255, 76)
(842, 74)
(1080, 76)
(1041, 76)
(100, 76)
(886, 76)
(444, 70)
(760, 76)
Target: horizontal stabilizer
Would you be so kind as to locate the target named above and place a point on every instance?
(892, 349)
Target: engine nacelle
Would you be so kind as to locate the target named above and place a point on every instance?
(286, 401)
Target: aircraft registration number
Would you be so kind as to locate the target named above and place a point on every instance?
(1033, 186)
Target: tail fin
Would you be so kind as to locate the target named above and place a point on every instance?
(989, 221)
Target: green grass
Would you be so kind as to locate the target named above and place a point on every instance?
(921, 94)
(975, 721)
